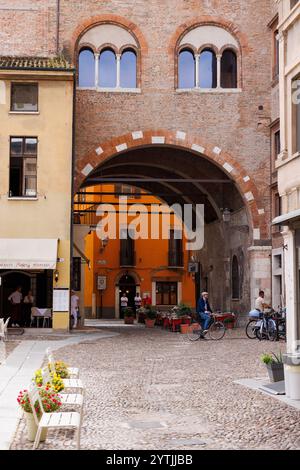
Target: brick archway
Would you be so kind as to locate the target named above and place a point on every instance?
(180, 139)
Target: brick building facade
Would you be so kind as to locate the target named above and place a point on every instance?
(226, 129)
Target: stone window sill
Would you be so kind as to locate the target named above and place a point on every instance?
(209, 90)
(24, 198)
(35, 113)
(111, 90)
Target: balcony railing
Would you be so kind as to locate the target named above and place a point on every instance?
(175, 259)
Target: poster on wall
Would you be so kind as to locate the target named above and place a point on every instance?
(61, 300)
(101, 282)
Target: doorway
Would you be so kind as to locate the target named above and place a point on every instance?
(9, 282)
(127, 285)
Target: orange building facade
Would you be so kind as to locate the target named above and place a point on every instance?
(155, 268)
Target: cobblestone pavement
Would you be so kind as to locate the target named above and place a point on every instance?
(151, 389)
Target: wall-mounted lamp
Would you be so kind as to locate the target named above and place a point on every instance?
(226, 215)
(104, 243)
(56, 275)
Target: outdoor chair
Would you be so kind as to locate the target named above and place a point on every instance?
(3, 328)
(73, 371)
(56, 420)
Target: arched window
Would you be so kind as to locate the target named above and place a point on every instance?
(128, 69)
(86, 66)
(186, 69)
(235, 278)
(208, 69)
(229, 69)
(107, 69)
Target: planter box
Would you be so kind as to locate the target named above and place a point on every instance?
(276, 372)
(149, 323)
(32, 428)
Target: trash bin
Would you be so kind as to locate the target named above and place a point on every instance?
(292, 375)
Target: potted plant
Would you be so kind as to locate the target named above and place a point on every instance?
(56, 383)
(150, 316)
(229, 321)
(61, 369)
(51, 402)
(274, 363)
(129, 316)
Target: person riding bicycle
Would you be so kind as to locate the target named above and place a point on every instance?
(204, 311)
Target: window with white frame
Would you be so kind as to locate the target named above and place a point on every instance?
(208, 59)
(108, 59)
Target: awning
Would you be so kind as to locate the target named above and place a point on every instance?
(28, 253)
(285, 219)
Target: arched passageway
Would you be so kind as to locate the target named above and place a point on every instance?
(178, 175)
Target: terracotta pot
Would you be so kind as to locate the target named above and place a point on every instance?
(229, 325)
(129, 320)
(149, 323)
(32, 428)
(185, 328)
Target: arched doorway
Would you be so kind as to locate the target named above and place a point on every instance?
(127, 286)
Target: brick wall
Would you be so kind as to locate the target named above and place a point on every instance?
(232, 122)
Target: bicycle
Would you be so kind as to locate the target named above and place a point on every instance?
(267, 328)
(216, 330)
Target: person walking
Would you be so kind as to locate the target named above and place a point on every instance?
(74, 308)
(15, 299)
(204, 311)
(27, 306)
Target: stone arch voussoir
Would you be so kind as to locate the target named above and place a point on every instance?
(243, 180)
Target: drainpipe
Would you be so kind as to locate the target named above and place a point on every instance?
(57, 25)
(72, 186)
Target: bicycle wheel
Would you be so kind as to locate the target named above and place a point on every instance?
(261, 333)
(217, 331)
(272, 330)
(251, 329)
(194, 333)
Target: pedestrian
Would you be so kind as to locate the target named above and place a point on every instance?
(74, 308)
(124, 302)
(15, 299)
(204, 311)
(27, 306)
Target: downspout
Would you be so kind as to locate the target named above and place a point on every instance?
(57, 25)
(72, 187)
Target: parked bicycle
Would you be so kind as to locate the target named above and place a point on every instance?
(270, 325)
(216, 330)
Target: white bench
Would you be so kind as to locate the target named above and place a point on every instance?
(56, 420)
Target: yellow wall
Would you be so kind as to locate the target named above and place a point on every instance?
(49, 215)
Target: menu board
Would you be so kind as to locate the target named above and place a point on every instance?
(61, 300)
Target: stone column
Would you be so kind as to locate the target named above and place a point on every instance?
(260, 260)
(219, 57)
(118, 56)
(291, 283)
(197, 75)
(97, 69)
